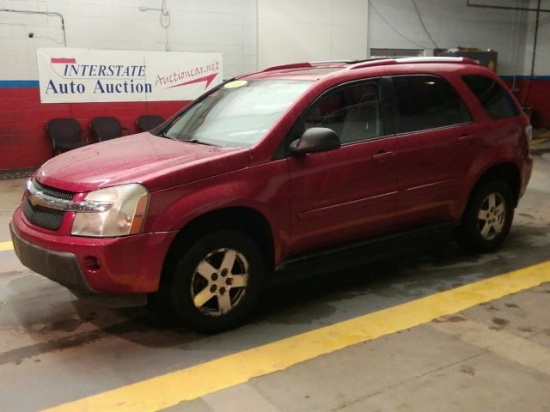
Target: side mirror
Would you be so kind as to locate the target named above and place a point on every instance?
(315, 140)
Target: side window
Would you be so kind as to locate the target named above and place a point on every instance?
(353, 112)
(427, 102)
(496, 101)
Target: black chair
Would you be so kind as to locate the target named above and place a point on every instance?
(147, 122)
(106, 128)
(65, 135)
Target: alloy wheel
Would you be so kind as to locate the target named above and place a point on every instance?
(219, 282)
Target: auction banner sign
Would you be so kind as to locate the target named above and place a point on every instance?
(68, 75)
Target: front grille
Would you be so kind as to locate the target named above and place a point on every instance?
(50, 191)
(42, 216)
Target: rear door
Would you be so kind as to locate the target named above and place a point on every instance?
(436, 147)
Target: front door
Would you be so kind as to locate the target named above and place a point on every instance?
(349, 192)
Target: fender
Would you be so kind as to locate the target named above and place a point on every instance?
(266, 193)
(507, 157)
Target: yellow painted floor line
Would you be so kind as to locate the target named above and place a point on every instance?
(6, 246)
(167, 390)
(540, 140)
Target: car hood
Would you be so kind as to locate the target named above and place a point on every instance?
(154, 161)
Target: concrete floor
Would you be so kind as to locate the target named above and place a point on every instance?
(494, 356)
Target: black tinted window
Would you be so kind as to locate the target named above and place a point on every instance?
(495, 99)
(427, 102)
(353, 112)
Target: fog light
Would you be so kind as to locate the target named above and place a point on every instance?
(91, 264)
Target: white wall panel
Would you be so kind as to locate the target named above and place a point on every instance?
(348, 43)
(311, 30)
(279, 43)
(350, 13)
(299, 11)
(258, 33)
(450, 24)
(227, 26)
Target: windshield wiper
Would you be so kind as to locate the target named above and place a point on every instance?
(199, 142)
(163, 134)
(186, 139)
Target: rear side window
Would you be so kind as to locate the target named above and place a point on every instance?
(427, 102)
(496, 101)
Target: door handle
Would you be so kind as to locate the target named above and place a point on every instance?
(382, 156)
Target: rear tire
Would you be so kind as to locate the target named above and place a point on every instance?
(217, 282)
(488, 217)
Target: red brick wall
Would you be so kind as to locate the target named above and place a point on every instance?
(24, 143)
(23, 139)
(534, 94)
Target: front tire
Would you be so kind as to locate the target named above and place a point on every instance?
(217, 282)
(488, 217)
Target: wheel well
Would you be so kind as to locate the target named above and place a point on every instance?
(506, 172)
(241, 219)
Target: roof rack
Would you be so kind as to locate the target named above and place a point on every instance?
(324, 62)
(287, 66)
(436, 59)
(371, 62)
(309, 65)
(407, 60)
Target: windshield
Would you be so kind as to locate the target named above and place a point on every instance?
(238, 114)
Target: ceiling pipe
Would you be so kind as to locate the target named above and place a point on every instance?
(535, 40)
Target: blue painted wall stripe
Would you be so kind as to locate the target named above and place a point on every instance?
(536, 78)
(18, 83)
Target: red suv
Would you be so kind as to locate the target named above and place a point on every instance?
(278, 170)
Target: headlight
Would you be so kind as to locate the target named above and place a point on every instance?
(113, 211)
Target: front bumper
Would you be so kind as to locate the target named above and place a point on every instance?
(61, 267)
(122, 270)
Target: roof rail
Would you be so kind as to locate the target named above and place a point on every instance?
(406, 60)
(358, 64)
(309, 65)
(436, 59)
(323, 62)
(304, 65)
